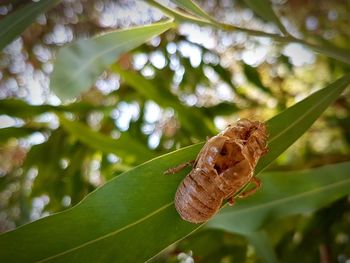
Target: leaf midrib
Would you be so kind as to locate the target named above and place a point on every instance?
(113, 233)
(245, 210)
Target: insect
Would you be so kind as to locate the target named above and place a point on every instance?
(224, 165)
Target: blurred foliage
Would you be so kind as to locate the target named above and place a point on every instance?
(207, 245)
(171, 92)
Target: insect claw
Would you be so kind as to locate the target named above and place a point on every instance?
(257, 185)
(265, 151)
(231, 201)
(169, 171)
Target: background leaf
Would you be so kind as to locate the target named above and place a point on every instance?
(209, 245)
(263, 246)
(193, 8)
(125, 146)
(253, 76)
(16, 132)
(191, 118)
(340, 54)
(21, 109)
(14, 24)
(286, 193)
(264, 9)
(78, 65)
(285, 128)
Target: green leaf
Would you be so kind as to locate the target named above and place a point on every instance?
(253, 76)
(191, 118)
(332, 51)
(285, 128)
(284, 194)
(263, 246)
(225, 75)
(45, 157)
(264, 9)
(213, 245)
(21, 109)
(223, 108)
(192, 7)
(78, 65)
(14, 24)
(16, 132)
(180, 17)
(128, 219)
(125, 146)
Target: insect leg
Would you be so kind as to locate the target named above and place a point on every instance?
(257, 183)
(231, 201)
(180, 167)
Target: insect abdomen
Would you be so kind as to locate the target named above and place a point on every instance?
(197, 198)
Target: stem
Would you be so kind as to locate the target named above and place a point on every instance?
(252, 32)
(180, 17)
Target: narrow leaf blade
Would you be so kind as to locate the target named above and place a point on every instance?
(263, 246)
(286, 193)
(124, 146)
(14, 24)
(78, 65)
(192, 7)
(191, 118)
(264, 9)
(21, 109)
(332, 51)
(253, 76)
(16, 132)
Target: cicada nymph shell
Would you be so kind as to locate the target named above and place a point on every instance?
(225, 164)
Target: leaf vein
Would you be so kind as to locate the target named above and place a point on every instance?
(107, 235)
(291, 198)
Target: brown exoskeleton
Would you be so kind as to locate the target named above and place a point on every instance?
(225, 164)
